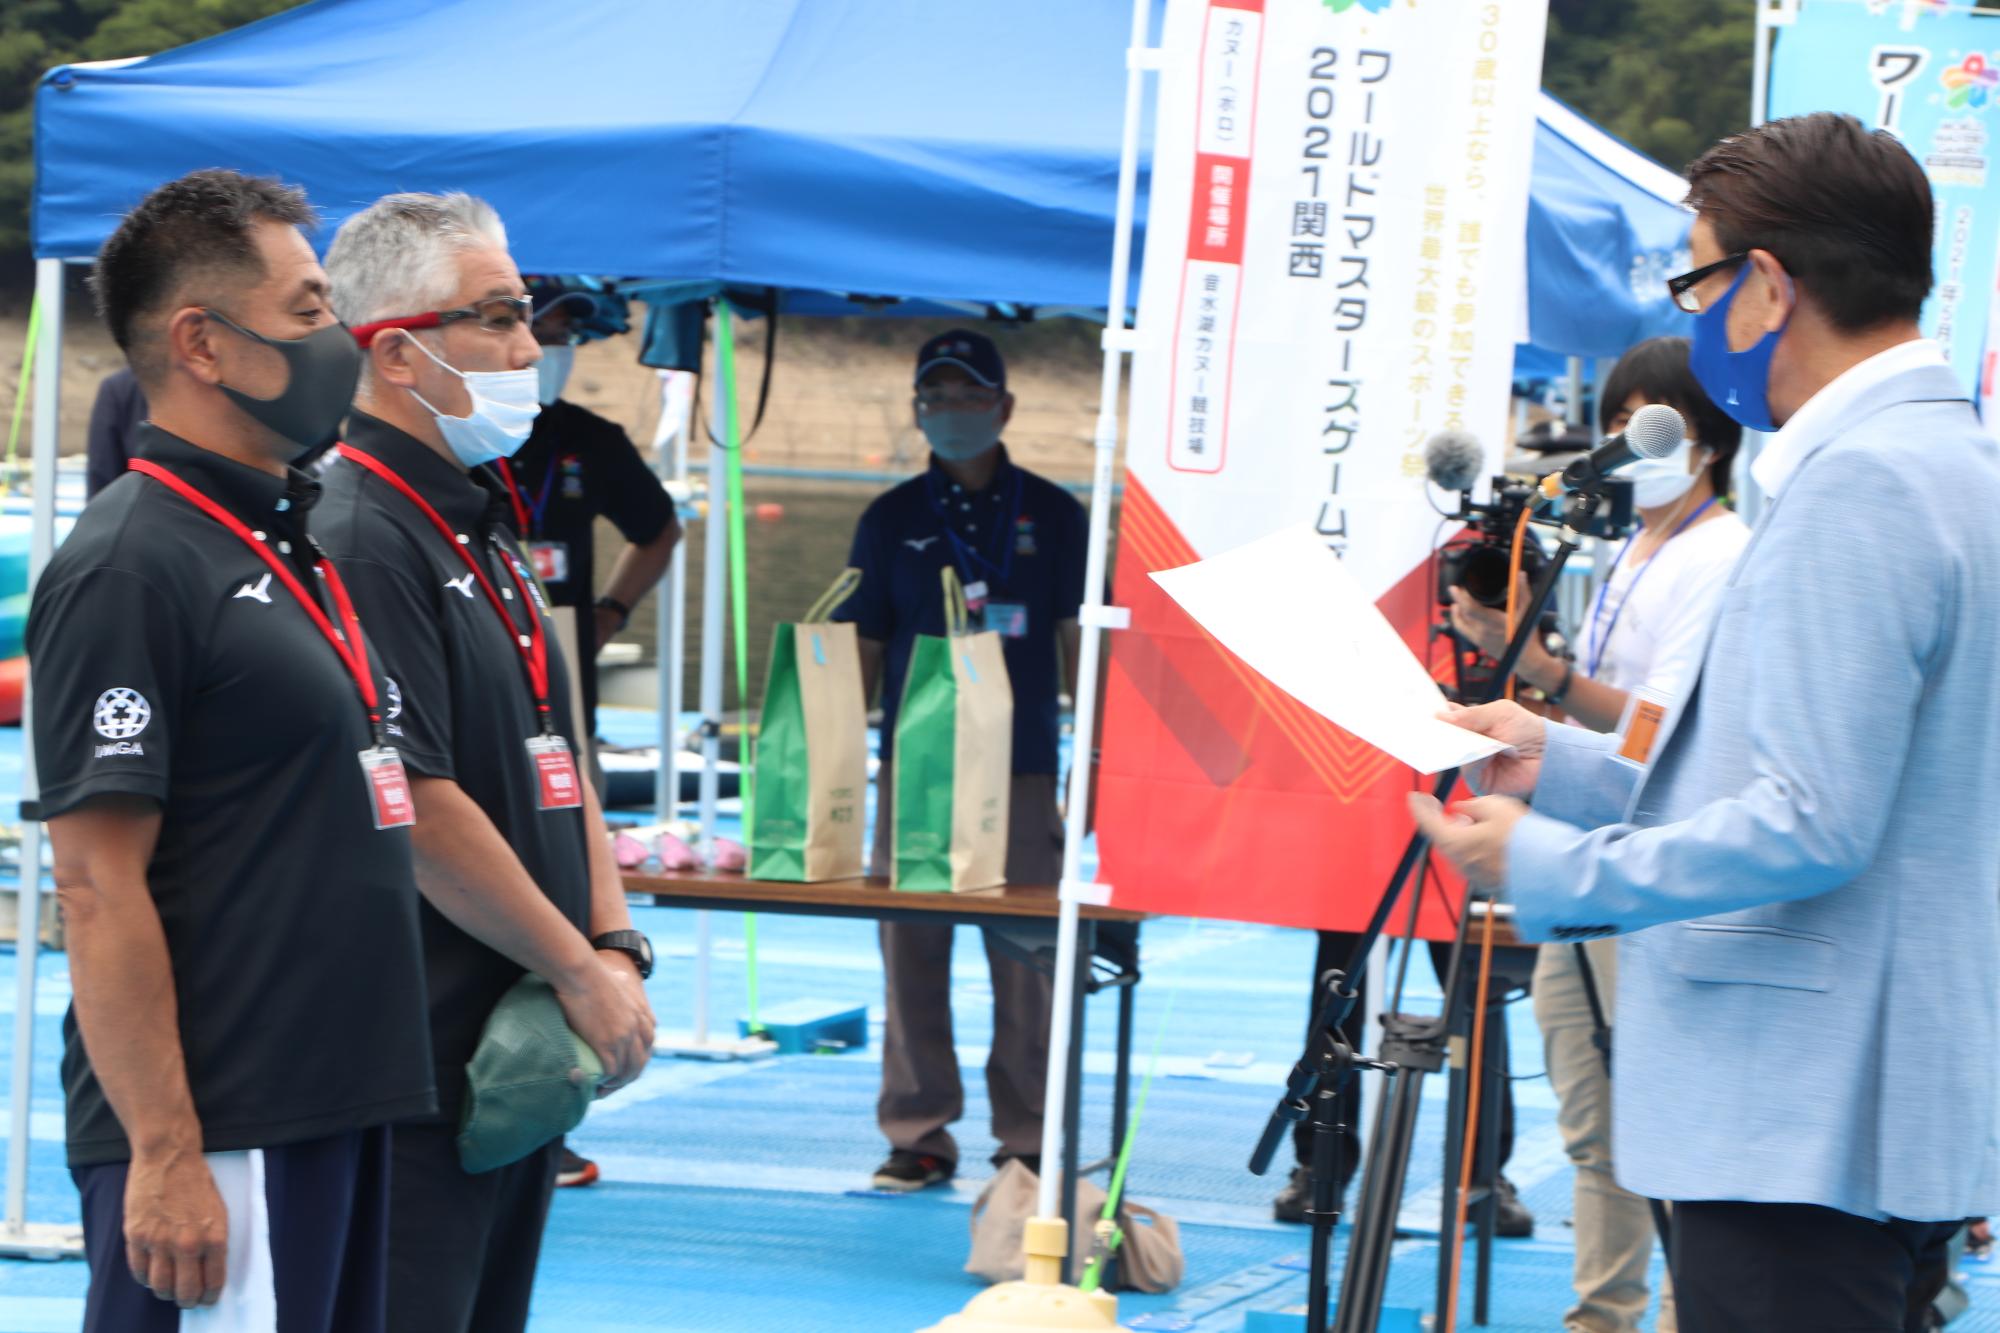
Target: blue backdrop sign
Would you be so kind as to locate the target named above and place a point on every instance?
(1928, 71)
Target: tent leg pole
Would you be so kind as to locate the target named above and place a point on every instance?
(670, 640)
(17, 1235)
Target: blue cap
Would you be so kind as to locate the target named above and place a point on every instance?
(974, 353)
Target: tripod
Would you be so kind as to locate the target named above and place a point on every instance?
(1411, 1048)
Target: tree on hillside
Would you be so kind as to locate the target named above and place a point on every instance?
(36, 35)
(1669, 77)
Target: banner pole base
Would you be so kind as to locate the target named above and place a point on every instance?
(41, 1240)
(1039, 1300)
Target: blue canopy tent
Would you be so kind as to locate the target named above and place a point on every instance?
(837, 146)
(937, 153)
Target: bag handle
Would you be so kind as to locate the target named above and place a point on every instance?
(830, 600)
(956, 618)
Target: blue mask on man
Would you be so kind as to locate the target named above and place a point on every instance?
(1739, 382)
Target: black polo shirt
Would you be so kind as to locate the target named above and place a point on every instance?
(170, 664)
(467, 708)
(576, 468)
(1024, 537)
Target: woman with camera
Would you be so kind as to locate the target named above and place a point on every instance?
(1643, 634)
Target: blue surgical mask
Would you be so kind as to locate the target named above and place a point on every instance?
(961, 436)
(1739, 382)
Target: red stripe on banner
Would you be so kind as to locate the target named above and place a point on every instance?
(1254, 6)
(1220, 208)
(1221, 796)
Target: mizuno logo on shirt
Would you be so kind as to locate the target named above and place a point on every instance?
(917, 544)
(260, 590)
(463, 583)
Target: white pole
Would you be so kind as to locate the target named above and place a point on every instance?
(715, 539)
(1094, 618)
(670, 637)
(28, 900)
(1750, 496)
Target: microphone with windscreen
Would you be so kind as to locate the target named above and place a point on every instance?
(1453, 460)
(1654, 431)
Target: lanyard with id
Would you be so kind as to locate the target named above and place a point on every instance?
(555, 766)
(550, 558)
(388, 785)
(975, 567)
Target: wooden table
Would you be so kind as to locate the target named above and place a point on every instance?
(1022, 917)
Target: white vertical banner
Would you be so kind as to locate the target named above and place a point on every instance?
(1335, 251)
(1334, 261)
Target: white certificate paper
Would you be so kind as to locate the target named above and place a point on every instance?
(1286, 605)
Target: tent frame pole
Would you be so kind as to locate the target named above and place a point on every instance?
(1096, 618)
(670, 638)
(18, 1236)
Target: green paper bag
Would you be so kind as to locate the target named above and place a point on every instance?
(954, 759)
(810, 765)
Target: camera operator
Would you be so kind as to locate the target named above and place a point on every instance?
(1645, 630)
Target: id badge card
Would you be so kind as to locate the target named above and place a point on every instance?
(550, 561)
(1007, 619)
(1644, 717)
(975, 596)
(555, 773)
(388, 788)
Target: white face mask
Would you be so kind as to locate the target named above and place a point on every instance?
(504, 408)
(553, 370)
(1658, 482)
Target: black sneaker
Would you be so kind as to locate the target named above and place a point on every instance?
(1033, 1161)
(907, 1172)
(1512, 1218)
(573, 1170)
(1296, 1196)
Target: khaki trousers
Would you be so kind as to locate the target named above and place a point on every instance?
(922, 1092)
(1614, 1227)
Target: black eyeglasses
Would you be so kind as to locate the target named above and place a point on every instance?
(1682, 288)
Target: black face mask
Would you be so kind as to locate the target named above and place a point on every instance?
(324, 366)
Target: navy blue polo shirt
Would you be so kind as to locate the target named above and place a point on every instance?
(1023, 537)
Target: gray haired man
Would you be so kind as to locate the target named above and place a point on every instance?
(511, 852)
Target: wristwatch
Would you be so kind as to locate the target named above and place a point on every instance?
(613, 604)
(631, 943)
(1556, 695)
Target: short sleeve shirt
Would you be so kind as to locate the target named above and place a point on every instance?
(575, 468)
(171, 664)
(465, 703)
(1023, 537)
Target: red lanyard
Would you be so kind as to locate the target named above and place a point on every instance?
(352, 650)
(533, 646)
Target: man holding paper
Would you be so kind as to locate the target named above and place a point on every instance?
(1795, 851)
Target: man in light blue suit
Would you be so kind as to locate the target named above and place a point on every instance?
(1801, 853)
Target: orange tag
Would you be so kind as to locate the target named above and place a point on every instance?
(1647, 715)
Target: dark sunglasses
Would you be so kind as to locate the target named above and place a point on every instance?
(496, 314)
(1682, 288)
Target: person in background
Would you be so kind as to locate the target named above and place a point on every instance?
(1645, 630)
(115, 418)
(576, 468)
(1018, 543)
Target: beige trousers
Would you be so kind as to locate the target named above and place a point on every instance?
(922, 1092)
(1614, 1227)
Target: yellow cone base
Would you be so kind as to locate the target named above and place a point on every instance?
(1040, 1300)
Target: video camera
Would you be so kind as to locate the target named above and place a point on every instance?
(1478, 560)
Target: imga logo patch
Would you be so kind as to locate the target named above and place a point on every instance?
(119, 716)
